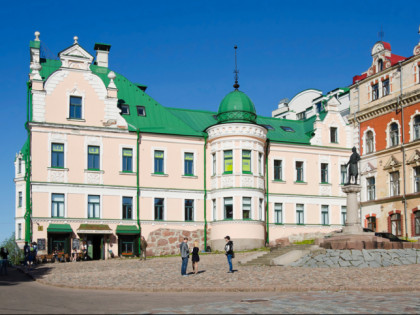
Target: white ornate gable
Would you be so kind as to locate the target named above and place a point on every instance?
(368, 169)
(75, 57)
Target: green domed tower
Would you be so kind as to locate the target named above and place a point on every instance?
(236, 107)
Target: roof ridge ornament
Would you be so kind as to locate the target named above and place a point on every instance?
(37, 36)
(76, 40)
(236, 71)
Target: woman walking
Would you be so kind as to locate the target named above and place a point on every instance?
(195, 257)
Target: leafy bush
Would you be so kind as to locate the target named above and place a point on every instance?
(15, 253)
(304, 242)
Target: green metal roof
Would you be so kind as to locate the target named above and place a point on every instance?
(59, 228)
(34, 44)
(236, 107)
(127, 229)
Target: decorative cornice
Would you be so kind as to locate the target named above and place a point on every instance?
(226, 222)
(237, 129)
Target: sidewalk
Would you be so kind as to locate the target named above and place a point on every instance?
(163, 275)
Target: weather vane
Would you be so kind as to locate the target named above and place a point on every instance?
(236, 71)
(381, 34)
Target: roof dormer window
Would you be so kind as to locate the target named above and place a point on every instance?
(380, 65)
(141, 111)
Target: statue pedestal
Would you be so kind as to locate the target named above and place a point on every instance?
(353, 225)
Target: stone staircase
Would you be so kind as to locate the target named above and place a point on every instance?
(275, 252)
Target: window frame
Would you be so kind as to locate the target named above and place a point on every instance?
(125, 163)
(278, 170)
(394, 183)
(20, 199)
(324, 173)
(375, 92)
(394, 135)
(302, 168)
(278, 213)
(226, 163)
(385, 87)
(72, 106)
(370, 188)
(214, 164)
(158, 162)
(325, 215)
(370, 142)
(57, 203)
(333, 135)
(343, 215)
(300, 214)
(94, 156)
(416, 127)
(343, 174)
(125, 211)
(189, 210)
(225, 210)
(96, 206)
(159, 209)
(416, 178)
(248, 206)
(188, 164)
(138, 107)
(371, 223)
(125, 106)
(396, 224)
(55, 156)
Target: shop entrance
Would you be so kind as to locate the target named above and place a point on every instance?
(95, 244)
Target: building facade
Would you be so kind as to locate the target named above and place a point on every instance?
(104, 162)
(385, 111)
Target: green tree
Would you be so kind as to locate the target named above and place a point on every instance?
(15, 253)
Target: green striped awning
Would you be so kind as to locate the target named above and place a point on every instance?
(127, 229)
(60, 228)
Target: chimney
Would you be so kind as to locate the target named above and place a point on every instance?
(102, 51)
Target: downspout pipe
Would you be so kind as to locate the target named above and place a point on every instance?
(205, 192)
(267, 218)
(403, 147)
(28, 210)
(138, 186)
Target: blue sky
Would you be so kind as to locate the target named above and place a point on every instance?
(183, 51)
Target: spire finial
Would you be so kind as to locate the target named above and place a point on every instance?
(37, 36)
(381, 34)
(76, 40)
(236, 71)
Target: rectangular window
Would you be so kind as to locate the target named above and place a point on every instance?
(93, 207)
(159, 208)
(260, 209)
(57, 155)
(343, 174)
(125, 109)
(127, 160)
(370, 185)
(20, 199)
(394, 183)
(278, 170)
(93, 158)
(246, 161)
(278, 213)
(19, 166)
(228, 207)
(260, 164)
(57, 205)
(213, 156)
(19, 233)
(416, 127)
(159, 156)
(324, 173)
(416, 171)
(127, 248)
(396, 224)
(371, 223)
(301, 116)
(318, 107)
(375, 92)
(299, 171)
(214, 210)
(141, 111)
(127, 208)
(385, 87)
(246, 208)
(75, 107)
(343, 215)
(228, 165)
(333, 135)
(189, 210)
(299, 214)
(188, 164)
(325, 216)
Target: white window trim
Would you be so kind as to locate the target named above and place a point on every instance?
(214, 164)
(413, 179)
(242, 208)
(411, 131)
(365, 140)
(261, 214)
(320, 214)
(389, 183)
(325, 160)
(233, 161)
(194, 152)
(133, 206)
(75, 92)
(233, 208)
(337, 135)
(94, 142)
(304, 213)
(87, 207)
(304, 170)
(283, 163)
(340, 163)
(251, 160)
(165, 157)
(388, 133)
(214, 209)
(58, 139)
(132, 147)
(365, 192)
(164, 208)
(65, 204)
(194, 209)
(282, 212)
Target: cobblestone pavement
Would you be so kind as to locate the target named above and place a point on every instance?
(163, 275)
(309, 302)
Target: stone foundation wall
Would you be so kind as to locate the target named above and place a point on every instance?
(167, 241)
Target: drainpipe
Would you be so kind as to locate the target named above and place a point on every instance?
(205, 193)
(138, 187)
(28, 212)
(266, 187)
(403, 147)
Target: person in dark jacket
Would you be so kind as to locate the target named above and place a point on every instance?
(185, 254)
(26, 251)
(4, 262)
(229, 252)
(195, 258)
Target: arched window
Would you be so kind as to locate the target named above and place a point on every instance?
(416, 127)
(393, 134)
(380, 65)
(369, 142)
(396, 224)
(371, 223)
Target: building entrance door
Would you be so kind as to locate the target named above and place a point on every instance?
(95, 246)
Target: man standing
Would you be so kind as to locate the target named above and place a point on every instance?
(143, 246)
(185, 252)
(229, 252)
(26, 250)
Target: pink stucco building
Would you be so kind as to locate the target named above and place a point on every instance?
(105, 162)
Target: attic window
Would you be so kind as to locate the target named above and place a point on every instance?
(269, 127)
(125, 109)
(141, 111)
(287, 129)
